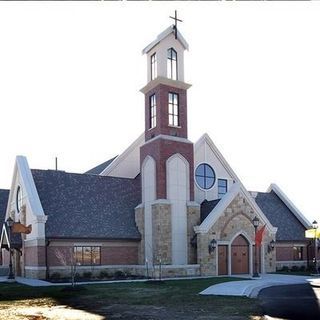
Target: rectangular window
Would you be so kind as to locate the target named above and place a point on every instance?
(153, 66)
(173, 103)
(297, 253)
(222, 187)
(153, 112)
(87, 256)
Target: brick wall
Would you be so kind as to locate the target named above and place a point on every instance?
(161, 150)
(119, 255)
(162, 91)
(35, 256)
(110, 255)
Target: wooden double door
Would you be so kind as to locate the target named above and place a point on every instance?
(240, 256)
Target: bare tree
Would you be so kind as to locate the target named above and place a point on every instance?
(67, 260)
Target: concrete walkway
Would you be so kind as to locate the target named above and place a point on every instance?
(251, 288)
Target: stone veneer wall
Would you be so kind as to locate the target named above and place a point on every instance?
(139, 219)
(236, 218)
(162, 233)
(167, 271)
(193, 219)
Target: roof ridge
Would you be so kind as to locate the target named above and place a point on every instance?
(82, 174)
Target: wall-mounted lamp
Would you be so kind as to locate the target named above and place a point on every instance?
(271, 246)
(212, 245)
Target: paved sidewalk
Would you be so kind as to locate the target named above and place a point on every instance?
(43, 283)
(251, 288)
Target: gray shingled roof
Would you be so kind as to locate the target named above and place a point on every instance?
(88, 206)
(4, 195)
(99, 168)
(280, 216)
(207, 207)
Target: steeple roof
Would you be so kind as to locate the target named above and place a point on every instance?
(163, 35)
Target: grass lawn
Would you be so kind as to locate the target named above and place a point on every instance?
(126, 301)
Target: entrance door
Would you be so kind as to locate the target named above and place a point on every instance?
(240, 256)
(222, 260)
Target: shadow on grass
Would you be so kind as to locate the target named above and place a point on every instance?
(175, 299)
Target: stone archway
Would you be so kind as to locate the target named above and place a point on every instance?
(240, 255)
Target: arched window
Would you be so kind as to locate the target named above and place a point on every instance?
(153, 66)
(172, 66)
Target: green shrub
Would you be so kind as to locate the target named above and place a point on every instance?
(285, 269)
(103, 274)
(119, 274)
(87, 275)
(303, 268)
(295, 268)
(55, 276)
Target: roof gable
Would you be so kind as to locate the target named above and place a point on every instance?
(289, 226)
(298, 214)
(219, 208)
(101, 167)
(127, 164)
(170, 30)
(206, 139)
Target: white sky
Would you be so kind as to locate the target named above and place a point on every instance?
(70, 75)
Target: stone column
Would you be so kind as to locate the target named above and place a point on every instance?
(162, 232)
(139, 219)
(193, 219)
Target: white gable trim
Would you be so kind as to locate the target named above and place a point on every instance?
(214, 215)
(116, 162)
(162, 36)
(273, 187)
(206, 139)
(26, 181)
(218, 210)
(4, 236)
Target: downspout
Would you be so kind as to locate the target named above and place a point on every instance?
(47, 265)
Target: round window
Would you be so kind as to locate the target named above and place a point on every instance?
(205, 176)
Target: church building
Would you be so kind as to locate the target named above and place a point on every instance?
(165, 203)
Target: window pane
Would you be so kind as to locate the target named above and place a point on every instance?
(174, 71)
(209, 171)
(200, 181)
(95, 255)
(169, 69)
(200, 170)
(209, 182)
(175, 109)
(171, 119)
(173, 54)
(221, 190)
(170, 98)
(175, 99)
(176, 121)
(78, 255)
(86, 255)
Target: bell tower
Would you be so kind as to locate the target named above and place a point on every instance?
(166, 158)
